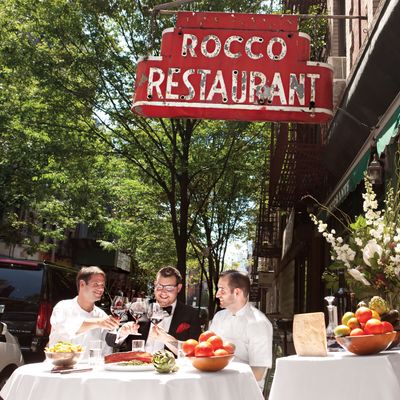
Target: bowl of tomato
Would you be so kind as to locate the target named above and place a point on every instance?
(212, 363)
(366, 344)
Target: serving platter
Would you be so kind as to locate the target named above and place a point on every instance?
(122, 367)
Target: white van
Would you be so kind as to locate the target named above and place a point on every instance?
(10, 354)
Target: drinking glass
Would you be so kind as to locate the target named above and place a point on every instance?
(137, 308)
(182, 360)
(138, 345)
(156, 314)
(95, 353)
(119, 307)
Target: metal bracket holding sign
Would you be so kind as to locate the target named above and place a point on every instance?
(234, 67)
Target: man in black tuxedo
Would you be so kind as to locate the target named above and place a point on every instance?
(182, 322)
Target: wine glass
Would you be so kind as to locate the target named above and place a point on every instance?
(119, 307)
(137, 308)
(156, 314)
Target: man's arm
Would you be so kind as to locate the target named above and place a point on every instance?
(258, 372)
(108, 323)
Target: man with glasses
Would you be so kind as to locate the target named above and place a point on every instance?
(79, 320)
(181, 321)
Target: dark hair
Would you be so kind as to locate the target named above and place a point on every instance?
(166, 272)
(85, 274)
(237, 279)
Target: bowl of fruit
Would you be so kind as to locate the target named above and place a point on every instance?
(209, 353)
(63, 354)
(369, 330)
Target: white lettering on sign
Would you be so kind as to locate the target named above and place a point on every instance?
(252, 86)
(211, 46)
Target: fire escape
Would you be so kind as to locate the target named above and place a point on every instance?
(292, 170)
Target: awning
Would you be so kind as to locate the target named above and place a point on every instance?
(371, 89)
(391, 130)
(387, 128)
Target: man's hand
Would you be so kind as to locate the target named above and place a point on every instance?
(159, 334)
(110, 323)
(129, 328)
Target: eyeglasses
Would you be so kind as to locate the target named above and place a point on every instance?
(168, 288)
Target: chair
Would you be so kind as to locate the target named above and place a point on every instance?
(282, 328)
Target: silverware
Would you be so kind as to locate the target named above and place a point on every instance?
(70, 370)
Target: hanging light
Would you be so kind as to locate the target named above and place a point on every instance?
(375, 171)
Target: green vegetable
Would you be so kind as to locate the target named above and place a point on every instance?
(164, 361)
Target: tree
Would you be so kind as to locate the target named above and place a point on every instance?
(81, 56)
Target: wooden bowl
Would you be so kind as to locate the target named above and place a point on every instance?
(60, 359)
(366, 344)
(213, 363)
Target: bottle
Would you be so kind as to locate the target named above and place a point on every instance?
(342, 297)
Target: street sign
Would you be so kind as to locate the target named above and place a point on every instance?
(235, 67)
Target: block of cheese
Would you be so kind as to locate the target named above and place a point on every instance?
(309, 334)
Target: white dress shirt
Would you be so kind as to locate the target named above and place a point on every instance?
(250, 331)
(67, 318)
(153, 345)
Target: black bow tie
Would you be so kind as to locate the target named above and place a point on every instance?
(168, 309)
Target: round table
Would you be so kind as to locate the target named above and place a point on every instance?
(37, 382)
(340, 375)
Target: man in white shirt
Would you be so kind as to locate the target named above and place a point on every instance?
(79, 320)
(242, 324)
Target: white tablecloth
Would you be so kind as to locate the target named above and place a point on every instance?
(339, 376)
(36, 382)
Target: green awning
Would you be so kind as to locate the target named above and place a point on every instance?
(354, 178)
(356, 175)
(390, 130)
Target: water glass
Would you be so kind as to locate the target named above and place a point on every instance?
(138, 345)
(95, 353)
(182, 360)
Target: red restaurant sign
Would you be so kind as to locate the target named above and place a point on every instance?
(234, 66)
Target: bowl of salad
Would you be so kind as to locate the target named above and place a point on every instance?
(64, 354)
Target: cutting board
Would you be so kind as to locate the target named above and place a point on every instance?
(309, 334)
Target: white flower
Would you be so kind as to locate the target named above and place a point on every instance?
(358, 241)
(358, 276)
(370, 250)
(322, 227)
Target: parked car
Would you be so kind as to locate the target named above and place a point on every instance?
(28, 292)
(10, 354)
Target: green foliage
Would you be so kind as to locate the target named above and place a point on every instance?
(71, 151)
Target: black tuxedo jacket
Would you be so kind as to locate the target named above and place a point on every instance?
(185, 323)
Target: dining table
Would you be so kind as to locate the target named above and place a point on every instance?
(339, 375)
(38, 381)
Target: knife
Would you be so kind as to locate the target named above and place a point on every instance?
(70, 371)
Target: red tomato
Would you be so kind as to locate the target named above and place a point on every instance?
(373, 327)
(363, 314)
(188, 346)
(221, 352)
(229, 347)
(203, 349)
(206, 335)
(387, 327)
(216, 342)
(357, 332)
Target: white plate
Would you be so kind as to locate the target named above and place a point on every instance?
(120, 367)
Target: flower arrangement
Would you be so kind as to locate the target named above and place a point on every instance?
(369, 250)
